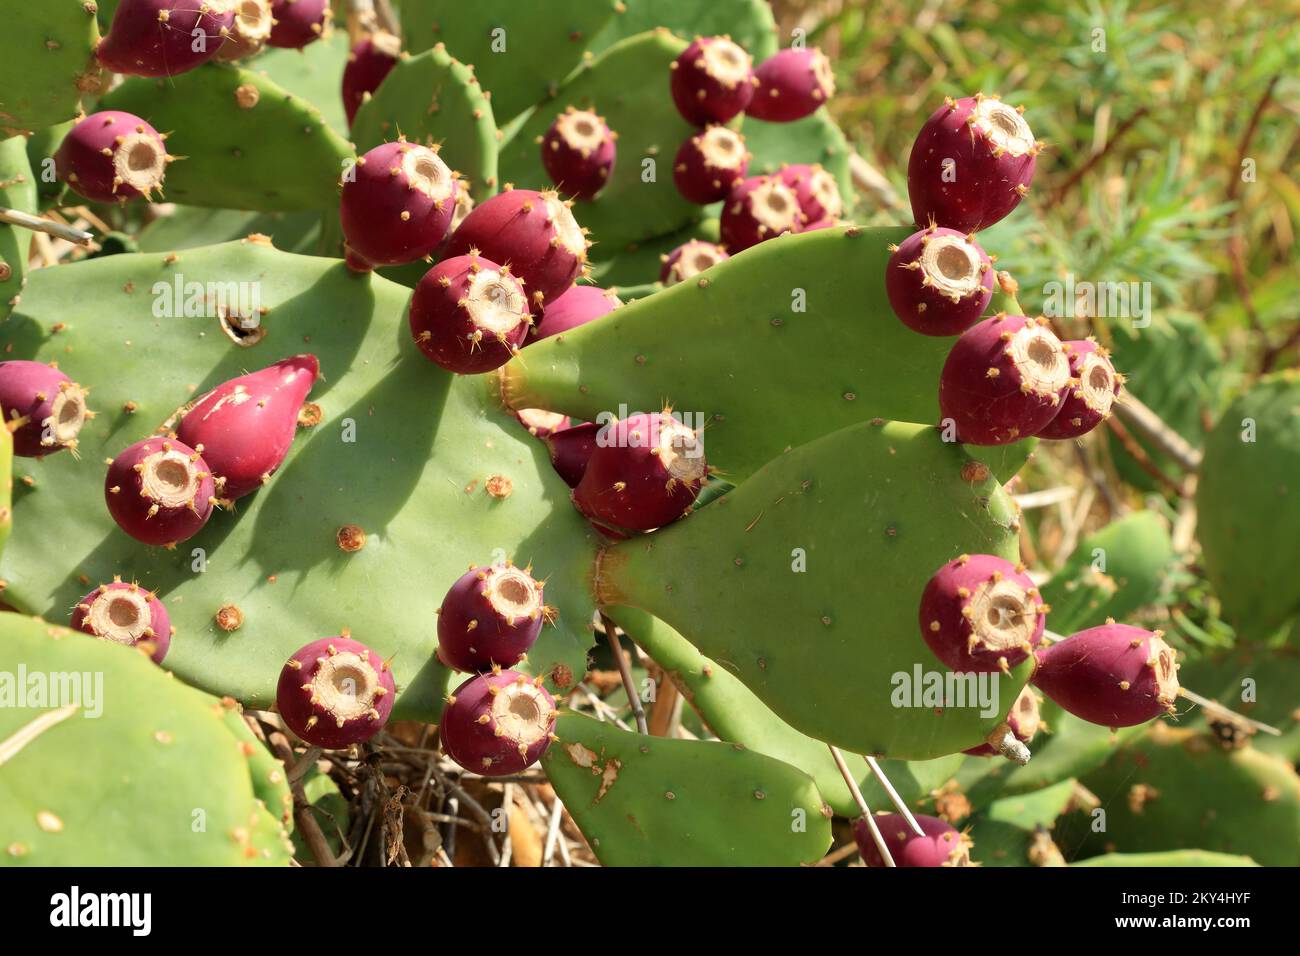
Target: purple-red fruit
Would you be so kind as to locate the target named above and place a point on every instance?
(689, 260)
(1003, 380)
(160, 491)
(1114, 675)
(165, 37)
(122, 613)
(645, 472)
(1022, 723)
(791, 85)
(396, 206)
(816, 189)
(571, 449)
(43, 408)
(712, 81)
(757, 209)
(980, 612)
(112, 157)
(580, 305)
(299, 22)
(369, 62)
(942, 845)
(249, 31)
(246, 425)
(709, 163)
(578, 152)
(335, 692)
(469, 315)
(1094, 387)
(490, 616)
(970, 164)
(534, 234)
(939, 282)
(497, 724)
(541, 423)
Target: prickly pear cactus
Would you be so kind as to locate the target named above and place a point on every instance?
(17, 191)
(51, 65)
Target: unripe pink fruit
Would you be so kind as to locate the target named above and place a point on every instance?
(112, 157)
(160, 491)
(122, 613)
(1094, 387)
(1022, 723)
(757, 209)
(299, 22)
(490, 616)
(578, 152)
(245, 426)
(397, 204)
(43, 408)
(791, 85)
(335, 692)
(939, 282)
(541, 423)
(369, 62)
(689, 260)
(942, 845)
(498, 724)
(709, 163)
(571, 450)
(970, 164)
(980, 612)
(712, 81)
(580, 305)
(165, 37)
(469, 315)
(1114, 675)
(1003, 380)
(816, 189)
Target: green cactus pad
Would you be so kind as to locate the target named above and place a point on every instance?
(1179, 858)
(6, 493)
(49, 63)
(647, 801)
(314, 74)
(872, 510)
(330, 808)
(638, 263)
(269, 778)
(41, 147)
(748, 22)
(17, 191)
(190, 227)
(1014, 831)
(813, 139)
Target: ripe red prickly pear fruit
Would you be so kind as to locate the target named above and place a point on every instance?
(757, 209)
(43, 408)
(498, 723)
(1003, 380)
(396, 205)
(816, 189)
(578, 152)
(541, 423)
(942, 845)
(369, 62)
(122, 613)
(249, 31)
(712, 81)
(112, 157)
(490, 616)
(534, 234)
(791, 85)
(335, 692)
(1022, 723)
(645, 472)
(580, 305)
(1094, 387)
(571, 449)
(165, 37)
(160, 491)
(1114, 675)
(245, 426)
(971, 163)
(690, 259)
(980, 612)
(939, 282)
(299, 22)
(709, 163)
(469, 314)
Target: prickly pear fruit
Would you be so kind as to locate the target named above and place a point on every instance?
(970, 164)
(396, 205)
(112, 157)
(1114, 675)
(371, 59)
(541, 423)
(533, 233)
(578, 152)
(571, 449)
(1022, 723)
(469, 314)
(791, 85)
(1090, 395)
(299, 22)
(246, 425)
(690, 259)
(498, 723)
(160, 491)
(942, 845)
(127, 614)
(42, 407)
(580, 305)
(645, 472)
(980, 612)
(939, 282)
(712, 81)
(165, 37)
(335, 692)
(709, 163)
(249, 31)
(757, 209)
(1003, 380)
(490, 616)
(816, 189)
